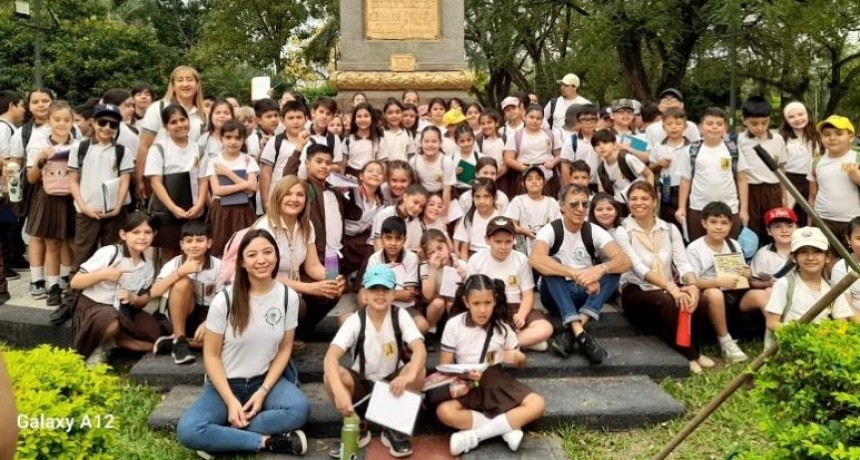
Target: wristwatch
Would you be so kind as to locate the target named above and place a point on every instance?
(605, 268)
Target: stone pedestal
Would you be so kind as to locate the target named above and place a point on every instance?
(389, 46)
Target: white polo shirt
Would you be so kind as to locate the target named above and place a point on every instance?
(714, 180)
(701, 257)
(434, 174)
(99, 166)
(837, 198)
(474, 231)
(135, 277)
(397, 145)
(206, 282)
(405, 271)
(514, 271)
(466, 340)
(758, 172)
(151, 121)
(804, 297)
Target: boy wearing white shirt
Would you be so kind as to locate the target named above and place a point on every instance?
(623, 116)
(665, 160)
(835, 176)
(615, 176)
(578, 145)
(273, 161)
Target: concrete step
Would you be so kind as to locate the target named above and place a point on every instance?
(640, 355)
(27, 327)
(614, 403)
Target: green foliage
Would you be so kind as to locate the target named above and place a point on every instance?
(315, 92)
(809, 393)
(53, 383)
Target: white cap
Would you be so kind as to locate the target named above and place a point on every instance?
(809, 236)
(570, 80)
(510, 101)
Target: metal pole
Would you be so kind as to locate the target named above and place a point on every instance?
(37, 43)
(733, 71)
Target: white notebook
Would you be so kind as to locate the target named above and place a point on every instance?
(397, 413)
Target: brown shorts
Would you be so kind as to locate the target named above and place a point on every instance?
(364, 387)
(534, 315)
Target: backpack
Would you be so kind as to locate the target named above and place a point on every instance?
(26, 134)
(401, 351)
(628, 173)
(587, 239)
(55, 177)
(347, 143)
(228, 258)
(789, 298)
(279, 140)
(84, 148)
(518, 138)
(551, 117)
(733, 153)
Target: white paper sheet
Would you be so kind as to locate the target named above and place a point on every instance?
(461, 368)
(450, 282)
(260, 87)
(397, 413)
(455, 211)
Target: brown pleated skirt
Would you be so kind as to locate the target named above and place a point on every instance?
(355, 251)
(227, 220)
(92, 319)
(51, 216)
(497, 392)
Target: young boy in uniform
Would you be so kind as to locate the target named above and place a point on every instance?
(616, 178)
(835, 176)
(623, 117)
(578, 147)
(773, 261)
(267, 120)
(370, 337)
(278, 150)
(666, 158)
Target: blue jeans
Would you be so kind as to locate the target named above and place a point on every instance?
(204, 425)
(570, 299)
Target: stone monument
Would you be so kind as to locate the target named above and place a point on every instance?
(388, 46)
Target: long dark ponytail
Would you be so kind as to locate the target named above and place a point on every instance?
(484, 283)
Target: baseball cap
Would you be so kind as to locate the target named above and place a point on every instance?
(379, 275)
(107, 111)
(809, 236)
(837, 122)
(672, 92)
(510, 101)
(533, 168)
(606, 112)
(500, 223)
(570, 80)
(453, 117)
(779, 214)
(623, 104)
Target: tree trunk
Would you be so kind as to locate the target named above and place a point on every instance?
(632, 68)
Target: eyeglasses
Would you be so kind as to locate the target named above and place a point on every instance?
(575, 204)
(104, 122)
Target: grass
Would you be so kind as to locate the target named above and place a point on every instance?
(733, 427)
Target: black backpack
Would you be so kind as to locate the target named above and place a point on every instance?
(84, 148)
(587, 239)
(401, 351)
(628, 173)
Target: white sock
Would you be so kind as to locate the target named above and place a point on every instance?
(432, 330)
(725, 339)
(52, 280)
(65, 270)
(495, 427)
(37, 273)
(479, 419)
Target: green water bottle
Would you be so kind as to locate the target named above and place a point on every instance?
(349, 437)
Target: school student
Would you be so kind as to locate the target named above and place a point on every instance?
(93, 164)
(469, 232)
(670, 98)
(267, 120)
(438, 253)
(399, 175)
(623, 115)
(773, 261)
(835, 176)
(802, 144)
(431, 217)
(363, 143)
(467, 156)
(606, 212)
(322, 112)
(578, 145)
(398, 143)
(841, 268)
(189, 282)
(500, 405)
(485, 168)
(617, 169)
(375, 338)
(531, 210)
(435, 171)
(408, 208)
(219, 113)
(666, 159)
(534, 146)
(360, 207)
(490, 144)
(279, 149)
(12, 113)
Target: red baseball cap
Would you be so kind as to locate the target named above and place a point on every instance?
(780, 214)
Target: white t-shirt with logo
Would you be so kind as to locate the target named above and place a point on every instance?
(620, 183)
(837, 198)
(474, 232)
(206, 282)
(135, 277)
(514, 271)
(804, 297)
(714, 180)
(572, 252)
(466, 342)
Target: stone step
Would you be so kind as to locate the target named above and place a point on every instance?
(640, 355)
(613, 403)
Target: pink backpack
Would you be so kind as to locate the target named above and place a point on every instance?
(228, 258)
(55, 177)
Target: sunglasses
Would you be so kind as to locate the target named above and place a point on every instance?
(575, 204)
(104, 123)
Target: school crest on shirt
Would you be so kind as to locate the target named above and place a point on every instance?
(388, 350)
(438, 178)
(274, 316)
(725, 164)
(846, 167)
(491, 357)
(513, 280)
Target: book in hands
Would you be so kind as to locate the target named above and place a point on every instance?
(732, 265)
(235, 198)
(634, 143)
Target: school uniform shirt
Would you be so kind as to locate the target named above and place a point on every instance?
(676, 154)
(495, 149)
(359, 212)
(135, 277)
(837, 198)
(767, 261)
(397, 145)
(278, 161)
(7, 130)
(701, 257)
(535, 148)
(671, 254)
(359, 152)
(99, 167)
(804, 297)
(584, 151)
(175, 160)
(533, 214)
(405, 270)
(243, 162)
(474, 232)
(424, 271)
(16, 143)
(561, 106)
(151, 122)
(252, 145)
(714, 180)
(250, 354)
(380, 350)
(840, 270)
(572, 251)
(292, 254)
(34, 149)
(758, 172)
(616, 177)
(471, 159)
(379, 218)
(128, 139)
(213, 147)
(449, 146)
(514, 271)
(502, 201)
(655, 134)
(466, 340)
(333, 222)
(436, 173)
(206, 282)
(335, 143)
(800, 155)
(507, 130)
(303, 156)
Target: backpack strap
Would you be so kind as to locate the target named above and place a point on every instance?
(732, 247)
(626, 171)
(359, 343)
(603, 176)
(574, 143)
(558, 236)
(518, 140)
(26, 134)
(119, 151)
(479, 140)
(279, 140)
(696, 146)
(329, 140)
(83, 149)
(552, 104)
(491, 331)
(588, 242)
(398, 334)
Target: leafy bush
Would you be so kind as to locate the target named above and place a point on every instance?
(51, 384)
(809, 393)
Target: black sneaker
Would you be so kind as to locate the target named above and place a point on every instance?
(10, 274)
(364, 439)
(590, 348)
(163, 345)
(181, 353)
(398, 444)
(4, 297)
(564, 344)
(55, 296)
(431, 342)
(19, 263)
(294, 443)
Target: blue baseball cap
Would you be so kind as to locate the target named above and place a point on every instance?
(379, 275)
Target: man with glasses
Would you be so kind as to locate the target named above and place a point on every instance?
(554, 113)
(580, 122)
(670, 98)
(580, 266)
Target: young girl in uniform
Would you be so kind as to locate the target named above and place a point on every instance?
(536, 146)
(605, 211)
(841, 268)
(802, 143)
(485, 168)
(52, 213)
(532, 210)
(363, 143)
(231, 210)
(174, 155)
(500, 405)
(467, 156)
(491, 144)
(360, 207)
(410, 119)
(335, 126)
(399, 176)
(211, 141)
(115, 284)
(434, 170)
(431, 217)
(398, 143)
(473, 117)
(469, 234)
(437, 253)
(436, 112)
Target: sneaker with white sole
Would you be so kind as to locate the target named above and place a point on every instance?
(463, 441)
(706, 362)
(163, 345)
(398, 444)
(181, 352)
(540, 346)
(293, 443)
(96, 357)
(513, 439)
(733, 353)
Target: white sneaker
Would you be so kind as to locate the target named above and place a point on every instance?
(96, 357)
(733, 353)
(463, 441)
(706, 362)
(513, 438)
(695, 368)
(540, 346)
(205, 455)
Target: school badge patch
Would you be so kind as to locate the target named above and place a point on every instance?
(274, 316)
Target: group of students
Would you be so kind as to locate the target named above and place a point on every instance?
(448, 227)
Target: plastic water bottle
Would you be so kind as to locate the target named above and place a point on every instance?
(13, 179)
(665, 188)
(349, 437)
(683, 335)
(331, 264)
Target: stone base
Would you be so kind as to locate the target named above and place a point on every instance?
(378, 98)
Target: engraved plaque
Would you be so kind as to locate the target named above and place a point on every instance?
(402, 63)
(401, 19)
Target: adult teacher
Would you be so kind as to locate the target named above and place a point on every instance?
(557, 107)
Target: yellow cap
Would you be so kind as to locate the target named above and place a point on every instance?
(453, 117)
(837, 122)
